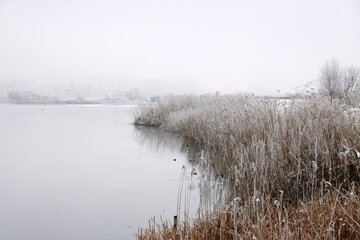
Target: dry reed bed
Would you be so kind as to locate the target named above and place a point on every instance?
(269, 151)
(335, 216)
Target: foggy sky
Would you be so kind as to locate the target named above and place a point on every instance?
(177, 46)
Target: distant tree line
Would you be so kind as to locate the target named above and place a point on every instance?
(339, 82)
(27, 97)
(30, 97)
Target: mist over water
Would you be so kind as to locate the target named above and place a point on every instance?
(72, 166)
(84, 172)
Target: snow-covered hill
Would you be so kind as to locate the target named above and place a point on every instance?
(308, 88)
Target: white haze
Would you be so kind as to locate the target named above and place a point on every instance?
(177, 46)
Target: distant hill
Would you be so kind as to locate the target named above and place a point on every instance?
(24, 92)
(308, 88)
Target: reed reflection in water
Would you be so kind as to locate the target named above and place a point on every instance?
(200, 190)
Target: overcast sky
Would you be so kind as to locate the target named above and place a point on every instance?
(177, 46)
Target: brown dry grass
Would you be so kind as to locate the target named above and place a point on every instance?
(335, 216)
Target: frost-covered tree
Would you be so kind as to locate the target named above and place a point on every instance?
(351, 84)
(133, 94)
(331, 79)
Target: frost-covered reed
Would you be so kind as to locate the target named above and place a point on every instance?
(299, 157)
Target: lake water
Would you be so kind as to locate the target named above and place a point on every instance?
(84, 172)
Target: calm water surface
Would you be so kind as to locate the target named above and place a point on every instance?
(84, 172)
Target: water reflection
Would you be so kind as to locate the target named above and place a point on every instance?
(160, 140)
(197, 175)
(83, 172)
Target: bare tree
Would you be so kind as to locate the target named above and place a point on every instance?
(331, 78)
(351, 83)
